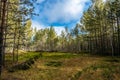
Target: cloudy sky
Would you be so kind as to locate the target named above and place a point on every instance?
(58, 13)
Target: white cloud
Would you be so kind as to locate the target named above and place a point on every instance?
(58, 11)
(104, 0)
(63, 10)
(59, 29)
(37, 25)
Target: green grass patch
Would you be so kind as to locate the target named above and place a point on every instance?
(28, 55)
(59, 55)
(53, 63)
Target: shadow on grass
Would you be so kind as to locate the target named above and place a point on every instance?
(24, 65)
(54, 63)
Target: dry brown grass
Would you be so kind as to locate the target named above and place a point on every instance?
(67, 71)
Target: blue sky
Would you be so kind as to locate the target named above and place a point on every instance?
(59, 13)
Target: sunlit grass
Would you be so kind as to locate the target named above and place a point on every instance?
(28, 55)
(66, 66)
(59, 55)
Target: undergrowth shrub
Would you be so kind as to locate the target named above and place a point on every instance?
(25, 65)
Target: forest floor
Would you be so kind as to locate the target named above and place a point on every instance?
(62, 66)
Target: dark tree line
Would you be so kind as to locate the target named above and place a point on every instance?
(102, 22)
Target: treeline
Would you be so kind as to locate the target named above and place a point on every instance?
(48, 40)
(97, 33)
(102, 22)
(15, 25)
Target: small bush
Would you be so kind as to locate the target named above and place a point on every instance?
(112, 60)
(25, 66)
(30, 61)
(11, 70)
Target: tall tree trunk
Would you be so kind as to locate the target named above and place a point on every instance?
(118, 32)
(18, 42)
(112, 39)
(96, 46)
(5, 35)
(3, 12)
(14, 45)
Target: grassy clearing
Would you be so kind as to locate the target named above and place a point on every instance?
(67, 66)
(24, 61)
(28, 55)
(22, 56)
(58, 56)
